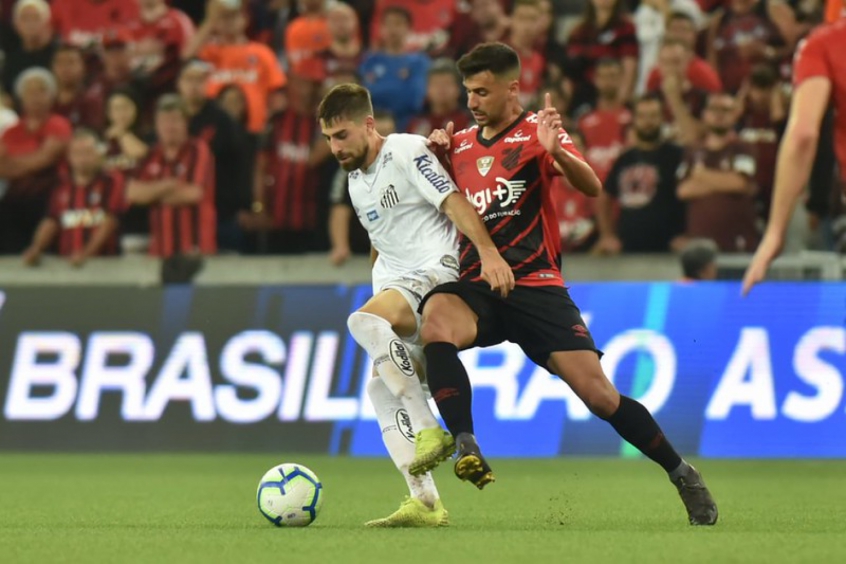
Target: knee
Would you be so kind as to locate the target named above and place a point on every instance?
(601, 398)
(362, 326)
(436, 327)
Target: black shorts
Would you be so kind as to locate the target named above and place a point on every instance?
(541, 319)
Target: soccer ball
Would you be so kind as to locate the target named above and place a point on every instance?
(290, 495)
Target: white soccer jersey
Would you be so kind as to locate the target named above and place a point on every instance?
(398, 200)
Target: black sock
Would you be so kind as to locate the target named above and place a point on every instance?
(450, 387)
(636, 425)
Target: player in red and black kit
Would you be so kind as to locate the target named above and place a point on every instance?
(505, 165)
(819, 77)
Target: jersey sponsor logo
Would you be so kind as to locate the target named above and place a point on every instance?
(404, 425)
(389, 197)
(484, 165)
(518, 137)
(564, 138)
(463, 147)
(293, 152)
(507, 192)
(400, 357)
(372, 215)
(71, 219)
(440, 182)
(238, 76)
(450, 262)
(511, 157)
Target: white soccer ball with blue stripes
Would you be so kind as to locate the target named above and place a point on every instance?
(290, 495)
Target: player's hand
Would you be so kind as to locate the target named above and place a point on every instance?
(339, 255)
(608, 245)
(549, 125)
(442, 138)
(77, 260)
(768, 250)
(497, 273)
(31, 257)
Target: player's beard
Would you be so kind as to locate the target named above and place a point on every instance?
(354, 162)
(652, 135)
(719, 130)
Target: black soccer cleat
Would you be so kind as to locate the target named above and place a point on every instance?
(471, 465)
(701, 508)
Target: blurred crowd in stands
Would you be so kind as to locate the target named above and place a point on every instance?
(183, 128)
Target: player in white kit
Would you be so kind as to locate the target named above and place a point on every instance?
(411, 208)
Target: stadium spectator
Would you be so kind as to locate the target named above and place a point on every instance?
(699, 260)
(343, 56)
(443, 101)
(156, 41)
(116, 74)
(395, 77)
(683, 99)
(124, 146)
(225, 140)
(763, 113)
(651, 20)
(30, 154)
(574, 210)
(716, 180)
(605, 31)
(83, 211)
(429, 21)
(307, 34)
(36, 47)
(176, 182)
(84, 23)
(68, 68)
(642, 184)
(8, 117)
(346, 234)
(237, 60)
(523, 36)
(702, 76)
(741, 37)
(486, 21)
(287, 194)
(233, 101)
(605, 128)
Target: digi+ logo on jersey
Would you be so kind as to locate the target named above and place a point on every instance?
(507, 192)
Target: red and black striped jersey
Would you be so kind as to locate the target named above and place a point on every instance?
(508, 179)
(182, 229)
(292, 194)
(81, 210)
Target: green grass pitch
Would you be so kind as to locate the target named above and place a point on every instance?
(201, 508)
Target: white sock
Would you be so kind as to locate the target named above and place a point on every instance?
(390, 413)
(393, 363)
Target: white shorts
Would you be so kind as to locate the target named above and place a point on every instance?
(414, 286)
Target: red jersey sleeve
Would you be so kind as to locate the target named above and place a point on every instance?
(203, 173)
(567, 144)
(811, 58)
(116, 202)
(58, 127)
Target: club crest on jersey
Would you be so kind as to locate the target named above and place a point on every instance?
(389, 197)
(484, 165)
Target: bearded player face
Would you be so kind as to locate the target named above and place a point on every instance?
(347, 140)
(489, 96)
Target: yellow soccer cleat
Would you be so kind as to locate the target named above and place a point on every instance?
(431, 447)
(414, 513)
